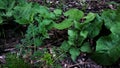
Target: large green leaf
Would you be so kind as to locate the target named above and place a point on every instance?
(84, 34)
(74, 14)
(73, 34)
(90, 17)
(110, 18)
(112, 21)
(94, 27)
(64, 24)
(86, 48)
(44, 26)
(79, 25)
(43, 12)
(90, 30)
(65, 46)
(74, 53)
(40, 9)
(115, 28)
(24, 13)
(57, 12)
(107, 50)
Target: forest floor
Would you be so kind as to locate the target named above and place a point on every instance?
(11, 36)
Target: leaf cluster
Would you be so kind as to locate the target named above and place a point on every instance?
(81, 30)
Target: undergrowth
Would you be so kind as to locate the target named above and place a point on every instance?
(12, 61)
(81, 29)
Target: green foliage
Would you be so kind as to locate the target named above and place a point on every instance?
(37, 33)
(7, 6)
(40, 21)
(108, 47)
(74, 53)
(79, 32)
(89, 17)
(1, 20)
(65, 46)
(64, 24)
(90, 28)
(74, 14)
(48, 58)
(57, 12)
(86, 48)
(24, 13)
(12, 61)
(6, 9)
